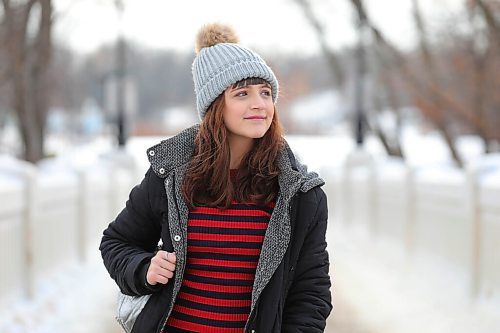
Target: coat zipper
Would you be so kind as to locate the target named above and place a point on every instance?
(293, 217)
(252, 317)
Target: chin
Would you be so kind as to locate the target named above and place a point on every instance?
(253, 133)
(258, 135)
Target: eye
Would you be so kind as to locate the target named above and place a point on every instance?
(266, 92)
(241, 93)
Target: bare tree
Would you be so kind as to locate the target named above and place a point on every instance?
(332, 58)
(486, 61)
(435, 103)
(432, 98)
(391, 143)
(489, 17)
(28, 56)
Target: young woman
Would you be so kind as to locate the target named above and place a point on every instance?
(242, 224)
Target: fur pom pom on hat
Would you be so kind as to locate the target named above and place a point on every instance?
(215, 33)
(221, 61)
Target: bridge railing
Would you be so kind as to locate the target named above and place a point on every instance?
(52, 215)
(448, 215)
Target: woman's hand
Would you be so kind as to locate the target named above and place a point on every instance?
(162, 268)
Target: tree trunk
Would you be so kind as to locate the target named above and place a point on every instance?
(392, 147)
(491, 21)
(28, 71)
(335, 66)
(430, 67)
(39, 74)
(481, 68)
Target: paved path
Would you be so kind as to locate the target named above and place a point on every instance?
(345, 318)
(374, 291)
(379, 288)
(79, 300)
(82, 300)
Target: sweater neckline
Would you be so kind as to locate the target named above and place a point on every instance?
(233, 173)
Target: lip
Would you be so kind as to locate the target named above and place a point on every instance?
(255, 118)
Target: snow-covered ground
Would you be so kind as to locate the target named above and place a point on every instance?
(374, 290)
(390, 294)
(80, 299)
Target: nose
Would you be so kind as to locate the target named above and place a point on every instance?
(257, 101)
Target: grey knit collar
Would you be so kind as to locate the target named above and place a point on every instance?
(176, 151)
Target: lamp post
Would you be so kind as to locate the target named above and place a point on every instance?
(120, 78)
(359, 92)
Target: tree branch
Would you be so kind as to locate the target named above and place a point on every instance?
(493, 25)
(6, 5)
(320, 33)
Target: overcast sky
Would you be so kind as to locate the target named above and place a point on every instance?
(266, 25)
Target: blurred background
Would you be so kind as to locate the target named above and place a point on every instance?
(395, 103)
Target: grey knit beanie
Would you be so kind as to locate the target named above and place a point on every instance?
(221, 62)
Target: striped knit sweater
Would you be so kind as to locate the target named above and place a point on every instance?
(223, 250)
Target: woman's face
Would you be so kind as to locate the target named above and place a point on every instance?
(248, 111)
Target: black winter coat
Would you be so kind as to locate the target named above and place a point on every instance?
(292, 288)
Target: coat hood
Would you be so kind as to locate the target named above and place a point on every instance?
(177, 151)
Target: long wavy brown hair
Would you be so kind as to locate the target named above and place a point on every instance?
(208, 182)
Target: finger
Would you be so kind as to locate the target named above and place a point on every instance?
(168, 266)
(166, 273)
(162, 279)
(159, 276)
(163, 275)
(158, 258)
(161, 254)
(170, 257)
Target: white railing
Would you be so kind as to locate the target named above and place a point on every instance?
(13, 211)
(450, 216)
(51, 216)
(53, 224)
(484, 184)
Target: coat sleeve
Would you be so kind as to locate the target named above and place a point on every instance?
(129, 242)
(308, 302)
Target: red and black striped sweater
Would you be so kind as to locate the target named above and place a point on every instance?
(223, 251)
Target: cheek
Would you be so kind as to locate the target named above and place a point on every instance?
(271, 112)
(225, 115)
(229, 120)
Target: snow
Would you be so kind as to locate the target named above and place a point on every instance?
(79, 299)
(322, 110)
(393, 294)
(441, 175)
(489, 170)
(177, 118)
